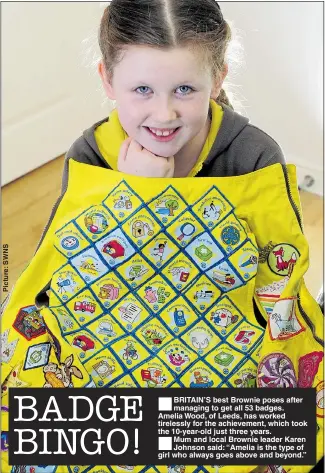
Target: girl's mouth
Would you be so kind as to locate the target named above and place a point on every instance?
(163, 137)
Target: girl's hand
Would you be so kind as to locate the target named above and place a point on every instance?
(138, 161)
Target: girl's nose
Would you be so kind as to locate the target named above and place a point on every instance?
(164, 113)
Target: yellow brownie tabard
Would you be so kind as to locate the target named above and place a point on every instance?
(145, 282)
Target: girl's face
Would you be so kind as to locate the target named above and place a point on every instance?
(161, 89)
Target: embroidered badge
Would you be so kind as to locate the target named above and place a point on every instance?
(283, 322)
(268, 295)
(29, 323)
(308, 367)
(282, 259)
(13, 380)
(7, 348)
(37, 355)
(59, 375)
(276, 371)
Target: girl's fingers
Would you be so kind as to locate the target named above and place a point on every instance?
(124, 149)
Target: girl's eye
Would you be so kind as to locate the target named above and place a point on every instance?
(184, 90)
(141, 91)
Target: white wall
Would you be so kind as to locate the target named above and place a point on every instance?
(49, 96)
(281, 80)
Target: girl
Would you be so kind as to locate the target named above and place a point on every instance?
(163, 62)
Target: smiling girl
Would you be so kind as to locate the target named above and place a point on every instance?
(163, 63)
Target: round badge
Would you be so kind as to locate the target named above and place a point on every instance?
(282, 259)
(230, 235)
(96, 223)
(276, 371)
(69, 243)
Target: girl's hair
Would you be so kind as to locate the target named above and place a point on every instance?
(165, 24)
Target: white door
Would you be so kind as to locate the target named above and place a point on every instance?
(51, 91)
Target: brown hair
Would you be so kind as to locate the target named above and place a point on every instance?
(166, 24)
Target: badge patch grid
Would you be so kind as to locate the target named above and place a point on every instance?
(160, 330)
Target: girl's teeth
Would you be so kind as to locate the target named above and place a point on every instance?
(161, 133)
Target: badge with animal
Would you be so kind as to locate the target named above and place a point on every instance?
(283, 322)
(281, 258)
(61, 375)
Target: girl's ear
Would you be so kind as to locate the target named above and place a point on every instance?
(107, 81)
(217, 85)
